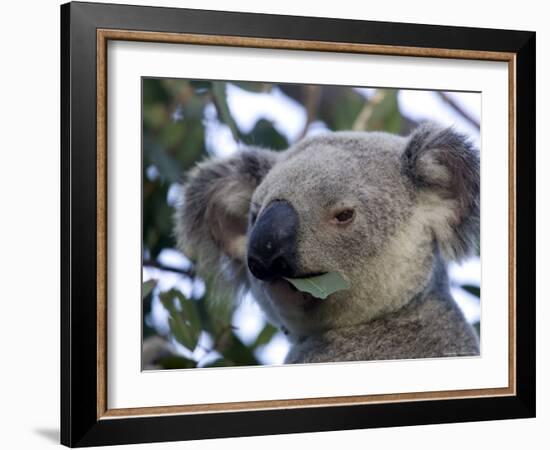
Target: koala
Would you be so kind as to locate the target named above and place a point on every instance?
(386, 212)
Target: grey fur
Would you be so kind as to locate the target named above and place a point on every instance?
(417, 207)
(414, 331)
(455, 154)
(218, 192)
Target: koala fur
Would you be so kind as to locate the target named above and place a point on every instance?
(415, 204)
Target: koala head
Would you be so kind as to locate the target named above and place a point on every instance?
(377, 208)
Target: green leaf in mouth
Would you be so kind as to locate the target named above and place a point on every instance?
(320, 286)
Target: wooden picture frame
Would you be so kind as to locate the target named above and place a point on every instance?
(85, 417)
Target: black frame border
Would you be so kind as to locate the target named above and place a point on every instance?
(79, 423)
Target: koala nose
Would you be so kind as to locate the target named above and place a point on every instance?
(272, 242)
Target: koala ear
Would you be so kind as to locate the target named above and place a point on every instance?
(212, 217)
(444, 167)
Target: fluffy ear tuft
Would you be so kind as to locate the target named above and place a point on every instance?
(444, 167)
(212, 216)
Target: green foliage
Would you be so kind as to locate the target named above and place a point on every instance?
(148, 286)
(174, 139)
(265, 135)
(265, 336)
(146, 294)
(176, 362)
(235, 351)
(184, 320)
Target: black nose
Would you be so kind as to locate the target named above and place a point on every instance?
(272, 242)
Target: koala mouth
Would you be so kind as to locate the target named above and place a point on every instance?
(306, 300)
(303, 276)
(310, 275)
(303, 300)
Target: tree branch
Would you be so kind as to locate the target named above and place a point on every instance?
(153, 263)
(459, 109)
(362, 121)
(312, 100)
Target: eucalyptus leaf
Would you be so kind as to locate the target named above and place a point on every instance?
(184, 322)
(176, 362)
(320, 286)
(190, 313)
(148, 286)
(237, 353)
(264, 337)
(182, 332)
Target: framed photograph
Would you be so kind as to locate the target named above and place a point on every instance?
(277, 224)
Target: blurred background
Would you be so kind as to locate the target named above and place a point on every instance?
(185, 121)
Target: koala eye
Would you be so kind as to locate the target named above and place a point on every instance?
(343, 216)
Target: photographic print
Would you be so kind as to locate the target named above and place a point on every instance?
(300, 223)
(291, 240)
